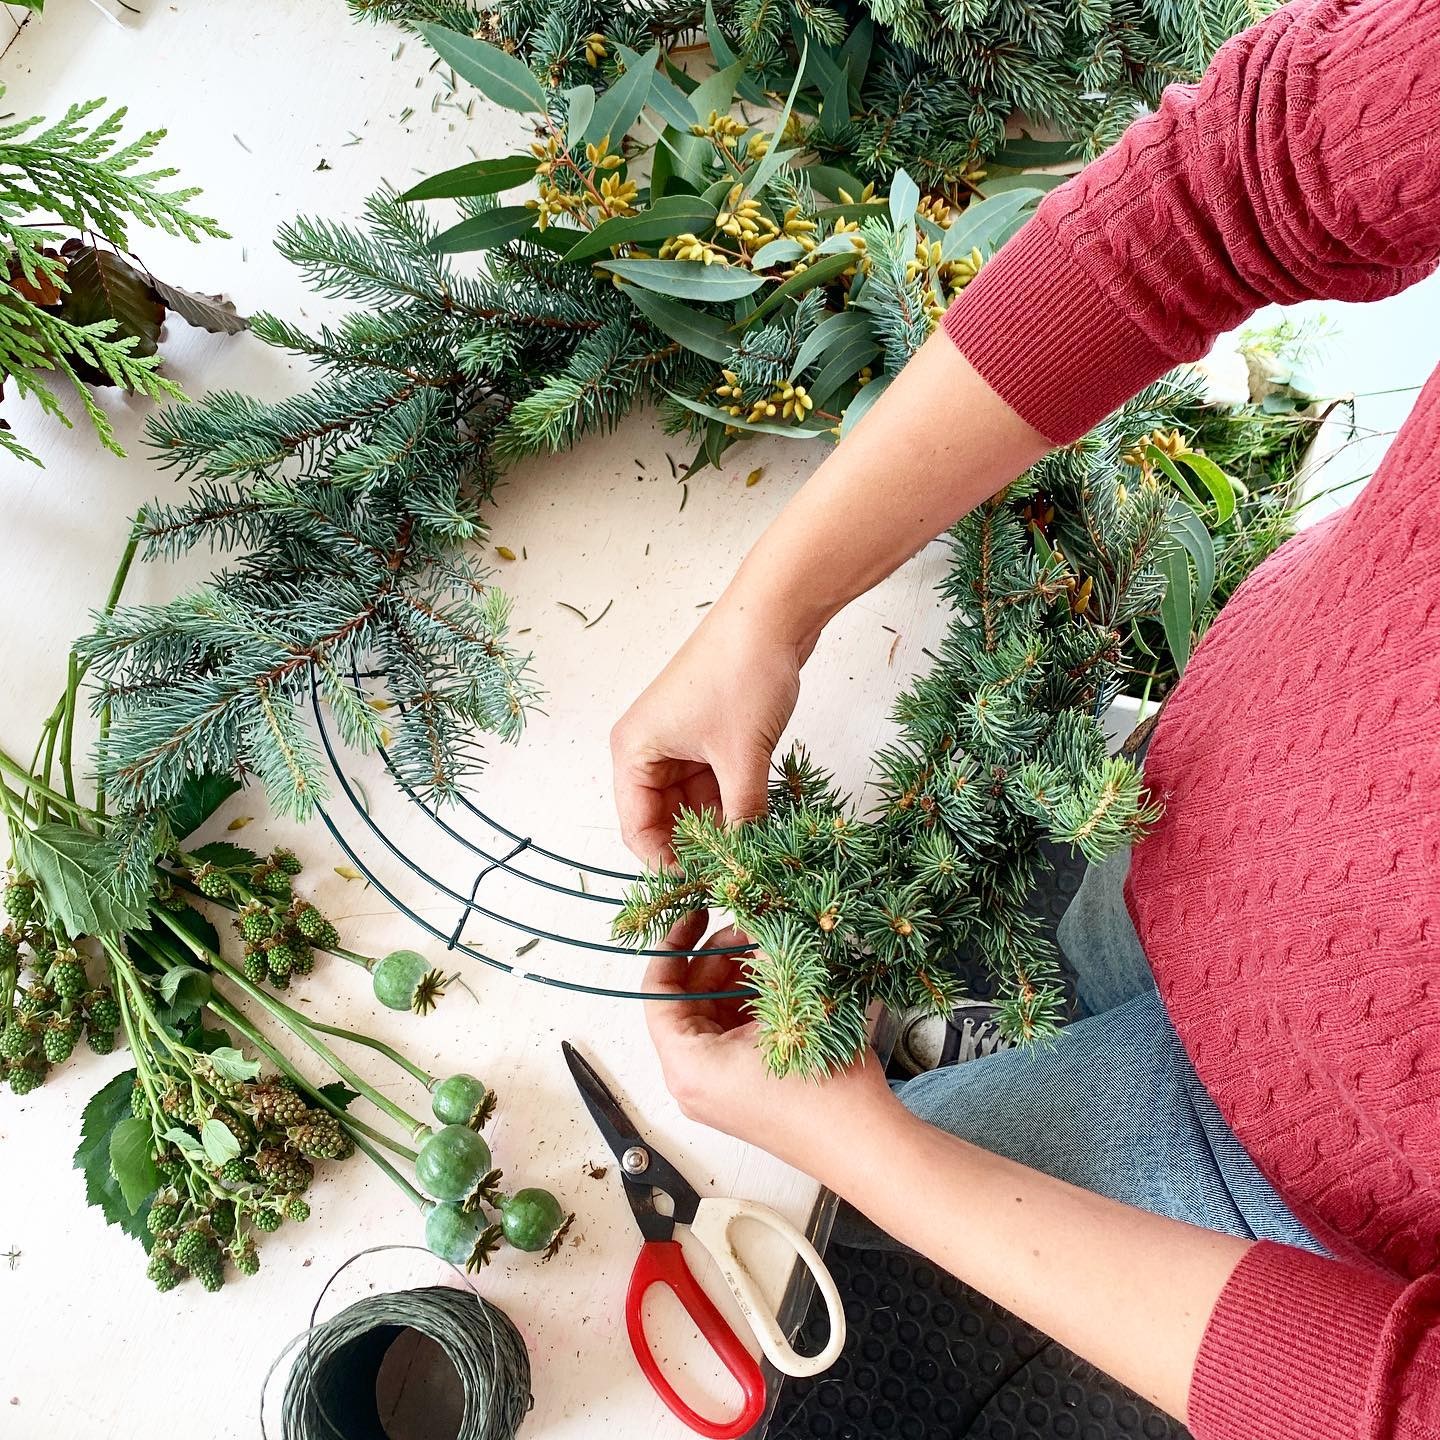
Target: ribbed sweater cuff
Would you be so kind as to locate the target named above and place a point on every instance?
(1048, 339)
(1290, 1348)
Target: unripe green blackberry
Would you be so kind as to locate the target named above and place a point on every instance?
(172, 1171)
(222, 1219)
(18, 1039)
(163, 1273)
(328, 938)
(253, 966)
(287, 861)
(236, 1171)
(162, 1216)
(9, 944)
(280, 961)
(34, 1001)
(256, 923)
(267, 1221)
(244, 1258)
(270, 880)
(68, 977)
(278, 1105)
(58, 1042)
(102, 1042)
(211, 1273)
(211, 882)
(20, 898)
(193, 1247)
(221, 1084)
(139, 1101)
(102, 1012)
(307, 919)
(319, 1137)
(25, 1075)
(304, 959)
(284, 1170)
(297, 1210)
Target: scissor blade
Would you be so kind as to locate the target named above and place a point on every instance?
(613, 1123)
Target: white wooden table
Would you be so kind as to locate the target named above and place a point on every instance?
(257, 97)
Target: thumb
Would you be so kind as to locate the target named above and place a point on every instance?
(742, 781)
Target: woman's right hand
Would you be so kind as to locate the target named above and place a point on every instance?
(702, 734)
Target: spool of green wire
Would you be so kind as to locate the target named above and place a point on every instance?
(331, 1390)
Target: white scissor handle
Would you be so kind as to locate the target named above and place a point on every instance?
(711, 1227)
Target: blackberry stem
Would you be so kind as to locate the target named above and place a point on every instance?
(234, 1017)
(296, 1023)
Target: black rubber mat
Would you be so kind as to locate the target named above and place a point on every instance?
(927, 1358)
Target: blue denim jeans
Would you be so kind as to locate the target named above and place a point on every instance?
(1112, 1104)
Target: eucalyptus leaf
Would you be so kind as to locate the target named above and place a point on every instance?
(842, 366)
(232, 1064)
(1164, 463)
(130, 1163)
(487, 231)
(812, 275)
(670, 215)
(77, 882)
(1176, 614)
(720, 46)
(835, 107)
(581, 102)
(830, 180)
(617, 108)
(1214, 479)
(670, 102)
(496, 75)
(1003, 183)
(686, 279)
(478, 177)
(865, 397)
(759, 427)
(716, 91)
(1026, 152)
(982, 221)
(904, 199)
(856, 51)
(220, 1145)
(774, 156)
(1189, 529)
(704, 334)
(776, 252)
(833, 330)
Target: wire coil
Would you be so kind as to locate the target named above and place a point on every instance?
(330, 1392)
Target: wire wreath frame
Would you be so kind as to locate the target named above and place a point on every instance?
(493, 863)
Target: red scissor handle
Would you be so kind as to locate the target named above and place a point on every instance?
(662, 1262)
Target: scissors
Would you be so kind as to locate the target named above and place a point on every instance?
(661, 1261)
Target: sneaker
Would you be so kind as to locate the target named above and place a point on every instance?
(930, 1042)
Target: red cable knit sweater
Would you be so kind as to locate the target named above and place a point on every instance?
(1289, 901)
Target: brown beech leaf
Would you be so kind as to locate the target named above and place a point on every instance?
(105, 287)
(205, 312)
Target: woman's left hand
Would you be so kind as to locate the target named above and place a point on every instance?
(710, 1056)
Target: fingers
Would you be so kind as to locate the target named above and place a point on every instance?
(667, 972)
(743, 794)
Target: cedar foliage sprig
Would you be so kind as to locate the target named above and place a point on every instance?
(999, 749)
(77, 310)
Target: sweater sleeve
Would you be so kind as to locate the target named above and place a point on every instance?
(1299, 1346)
(1305, 165)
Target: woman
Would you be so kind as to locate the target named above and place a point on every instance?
(1277, 1100)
